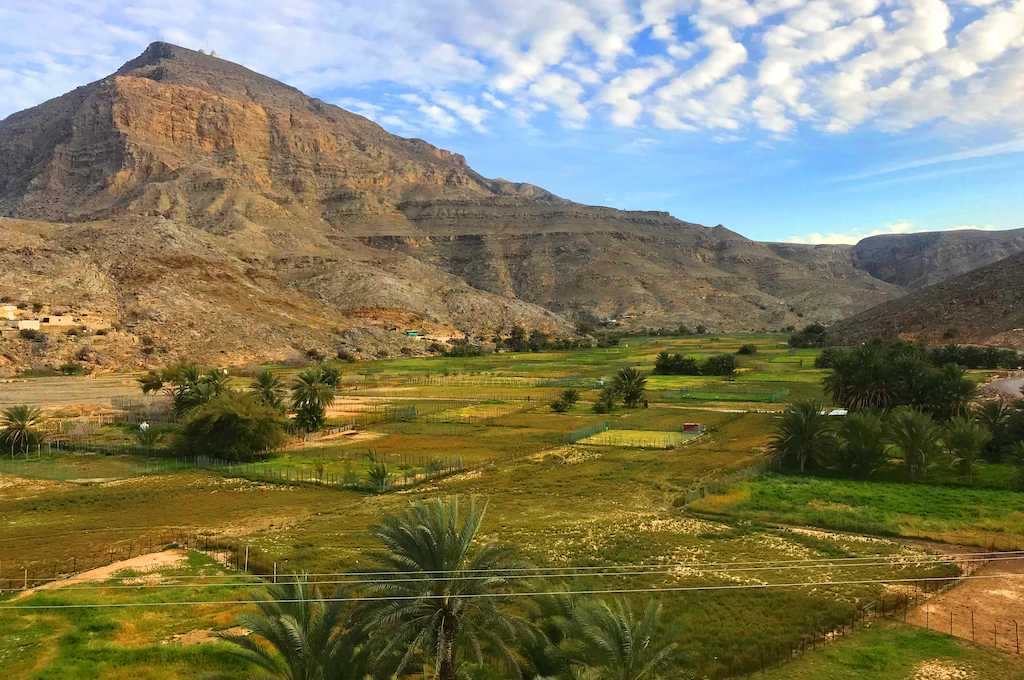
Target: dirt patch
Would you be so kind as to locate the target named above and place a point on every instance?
(143, 563)
(13, 486)
(982, 609)
(940, 670)
(202, 636)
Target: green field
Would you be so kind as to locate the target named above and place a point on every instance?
(971, 516)
(589, 504)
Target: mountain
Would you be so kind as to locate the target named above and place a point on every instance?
(205, 211)
(915, 261)
(983, 306)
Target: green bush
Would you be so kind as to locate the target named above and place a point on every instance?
(233, 426)
(747, 349)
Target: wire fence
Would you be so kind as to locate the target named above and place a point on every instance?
(91, 470)
(722, 485)
(376, 478)
(586, 431)
(730, 391)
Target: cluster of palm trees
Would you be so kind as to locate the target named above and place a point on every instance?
(886, 375)
(441, 602)
(864, 441)
(191, 386)
(20, 428)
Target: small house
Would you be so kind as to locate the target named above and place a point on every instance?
(9, 312)
(65, 320)
(28, 324)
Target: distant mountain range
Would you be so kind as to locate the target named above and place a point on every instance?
(983, 306)
(209, 212)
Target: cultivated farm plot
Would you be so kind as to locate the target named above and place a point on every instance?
(649, 439)
(88, 468)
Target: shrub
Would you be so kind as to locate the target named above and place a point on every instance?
(701, 329)
(747, 349)
(234, 426)
(72, 368)
(347, 356)
(30, 334)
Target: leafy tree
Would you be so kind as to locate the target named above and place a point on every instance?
(517, 339)
(296, 634)
(72, 368)
(747, 349)
(612, 642)
(803, 433)
(684, 329)
(915, 436)
(965, 440)
(19, 428)
(701, 329)
(630, 385)
(860, 444)
(538, 340)
(585, 328)
(233, 425)
(151, 382)
(269, 389)
(430, 619)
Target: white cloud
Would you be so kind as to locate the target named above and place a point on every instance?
(758, 67)
(854, 235)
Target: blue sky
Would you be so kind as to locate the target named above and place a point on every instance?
(805, 120)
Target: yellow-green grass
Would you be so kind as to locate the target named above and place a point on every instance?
(639, 438)
(893, 651)
(982, 517)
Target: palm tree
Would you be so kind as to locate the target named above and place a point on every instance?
(861, 448)
(631, 385)
(965, 440)
(861, 378)
(995, 416)
(269, 389)
(297, 635)
(18, 427)
(448, 604)
(612, 642)
(915, 436)
(803, 433)
(148, 436)
(310, 390)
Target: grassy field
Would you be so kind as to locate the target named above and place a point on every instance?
(972, 516)
(560, 504)
(897, 652)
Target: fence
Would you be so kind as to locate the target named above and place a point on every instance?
(61, 469)
(381, 482)
(587, 431)
(730, 391)
(721, 485)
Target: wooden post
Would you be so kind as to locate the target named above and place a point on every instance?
(246, 559)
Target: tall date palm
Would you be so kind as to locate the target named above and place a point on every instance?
(446, 605)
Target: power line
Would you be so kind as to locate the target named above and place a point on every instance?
(669, 589)
(557, 571)
(663, 570)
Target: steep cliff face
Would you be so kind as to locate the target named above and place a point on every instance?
(919, 260)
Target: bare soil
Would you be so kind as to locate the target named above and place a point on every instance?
(995, 604)
(145, 564)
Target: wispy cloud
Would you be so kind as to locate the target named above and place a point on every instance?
(1000, 149)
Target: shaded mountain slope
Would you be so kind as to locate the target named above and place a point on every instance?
(983, 306)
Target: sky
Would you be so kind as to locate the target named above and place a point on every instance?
(811, 121)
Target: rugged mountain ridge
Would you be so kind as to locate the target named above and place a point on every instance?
(216, 211)
(984, 306)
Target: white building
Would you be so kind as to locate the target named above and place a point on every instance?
(66, 320)
(9, 312)
(28, 324)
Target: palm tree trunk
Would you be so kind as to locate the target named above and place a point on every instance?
(446, 662)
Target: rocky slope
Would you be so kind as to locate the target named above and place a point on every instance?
(225, 215)
(918, 260)
(983, 306)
